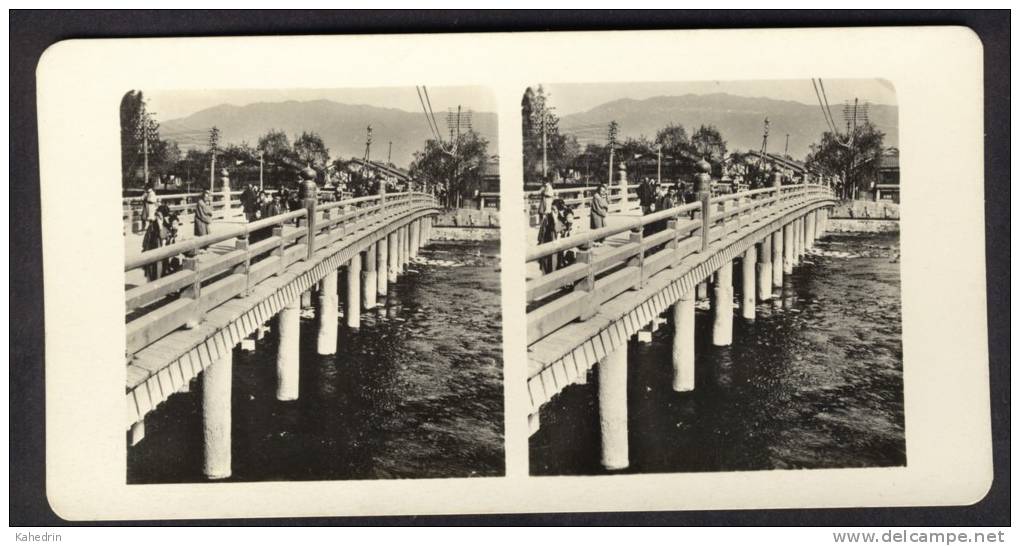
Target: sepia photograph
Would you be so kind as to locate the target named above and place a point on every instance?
(311, 284)
(713, 276)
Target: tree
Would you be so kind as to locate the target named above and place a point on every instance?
(854, 157)
(540, 126)
(674, 140)
(312, 151)
(708, 143)
(456, 173)
(280, 163)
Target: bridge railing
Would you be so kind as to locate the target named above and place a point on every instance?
(184, 204)
(577, 291)
(619, 198)
(219, 267)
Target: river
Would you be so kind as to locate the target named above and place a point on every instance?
(814, 382)
(417, 392)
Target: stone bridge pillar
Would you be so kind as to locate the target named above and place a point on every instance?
(765, 268)
(369, 277)
(613, 409)
(392, 266)
(722, 306)
(747, 283)
(788, 249)
(353, 292)
(382, 267)
(683, 343)
(216, 416)
(415, 237)
(327, 314)
(288, 355)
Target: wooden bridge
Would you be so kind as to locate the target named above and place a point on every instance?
(188, 322)
(583, 314)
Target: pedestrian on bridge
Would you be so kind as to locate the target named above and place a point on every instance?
(149, 203)
(599, 210)
(203, 215)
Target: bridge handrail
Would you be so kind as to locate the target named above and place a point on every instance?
(583, 286)
(157, 308)
(159, 254)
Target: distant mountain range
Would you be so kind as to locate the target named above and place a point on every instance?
(342, 127)
(739, 119)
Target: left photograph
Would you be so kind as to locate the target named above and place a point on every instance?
(311, 285)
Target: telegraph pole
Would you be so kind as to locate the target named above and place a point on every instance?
(389, 154)
(658, 179)
(786, 150)
(368, 145)
(545, 168)
(261, 158)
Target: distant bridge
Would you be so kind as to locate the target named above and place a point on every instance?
(187, 323)
(583, 315)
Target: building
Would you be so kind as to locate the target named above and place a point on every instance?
(887, 187)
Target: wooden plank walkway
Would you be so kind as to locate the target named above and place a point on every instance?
(166, 366)
(556, 360)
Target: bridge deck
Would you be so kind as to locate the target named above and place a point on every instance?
(165, 366)
(557, 359)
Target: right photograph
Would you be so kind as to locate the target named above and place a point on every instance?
(713, 279)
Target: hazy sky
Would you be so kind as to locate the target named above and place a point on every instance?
(572, 98)
(176, 104)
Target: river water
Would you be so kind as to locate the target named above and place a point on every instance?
(814, 382)
(417, 392)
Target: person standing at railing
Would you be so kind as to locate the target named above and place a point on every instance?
(149, 203)
(547, 195)
(249, 202)
(646, 196)
(599, 210)
(203, 215)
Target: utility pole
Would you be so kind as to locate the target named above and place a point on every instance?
(545, 168)
(613, 129)
(261, 158)
(368, 145)
(145, 154)
(658, 178)
(214, 146)
(786, 150)
(389, 154)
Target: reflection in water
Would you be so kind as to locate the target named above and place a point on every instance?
(814, 382)
(416, 392)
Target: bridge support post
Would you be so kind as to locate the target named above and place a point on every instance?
(369, 278)
(788, 249)
(353, 292)
(328, 314)
(701, 291)
(683, 343)
(138, 431)
(811, 229)
(415, 237)
(406, 248)
(765, 268)
(288, 354)
(722, 306)
(798, 240)
(400, 250)
(777, 258)
(747, 283)
(613, 409)
(216, 419)
(382, 268)
(391, 267)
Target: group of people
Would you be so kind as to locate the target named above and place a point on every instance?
(258, 203)
(160, 228)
